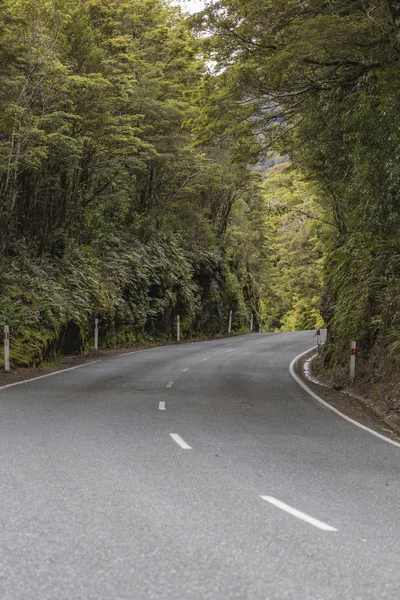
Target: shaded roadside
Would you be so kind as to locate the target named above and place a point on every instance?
(350, 401)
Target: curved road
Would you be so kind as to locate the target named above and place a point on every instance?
(261, 493)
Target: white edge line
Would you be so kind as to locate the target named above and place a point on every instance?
(161, 406)
(177, 438)
(3, 387)
(297, 513)
(332, 408)
(170, 384)
(105, 359)
(93, 362)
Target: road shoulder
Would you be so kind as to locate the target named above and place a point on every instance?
(352, 407)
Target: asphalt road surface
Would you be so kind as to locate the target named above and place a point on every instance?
(200, 471)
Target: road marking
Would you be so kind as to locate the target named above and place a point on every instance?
(106, 359)
(3, 387)
(233, 350)
(170, 384)
(297, 513)
(177, 438)
(184, 370)
(161, 406)
(332, 408)
(204, 359)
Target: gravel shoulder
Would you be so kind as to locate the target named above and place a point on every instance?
(350, 402)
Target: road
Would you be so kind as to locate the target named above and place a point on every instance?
(100, 502)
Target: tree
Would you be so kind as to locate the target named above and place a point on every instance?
(109, 202)
(295, 250)
(318, 81)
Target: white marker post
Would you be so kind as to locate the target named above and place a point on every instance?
(251, 323)
(319, 340)
(96, 334)
(230, 322)
(6, 348)
(353, 353)
(178, 328)
(260, 329)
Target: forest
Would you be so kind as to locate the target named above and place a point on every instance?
(110, 207)
(155, 163)
(319, 81)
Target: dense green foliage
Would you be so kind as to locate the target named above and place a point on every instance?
(292, 280)
(108, 204)
(126, 134)
(320, 82)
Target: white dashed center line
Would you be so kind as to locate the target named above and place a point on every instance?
(161, 406)
(297, 513)
(177, 438)
(204, 359)
(184, 370)
(233, 350)
(170, 384)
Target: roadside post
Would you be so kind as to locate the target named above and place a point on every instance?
(260, 329)
(319, 340)
(251, 323)
(6, 348)
(230, 322)
(96, 334)
(353, 353)
(178, 328)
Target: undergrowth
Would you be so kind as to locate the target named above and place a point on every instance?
(50, 304)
